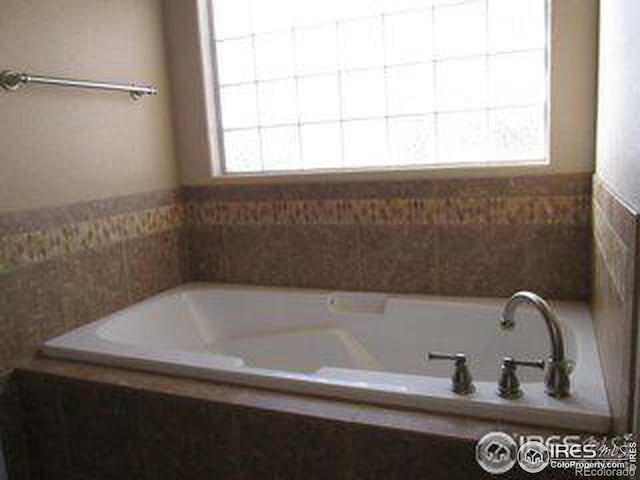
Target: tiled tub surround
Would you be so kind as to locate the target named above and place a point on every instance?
(53, 278)
(616, 282)
(65, 266)
(157, 427)
(474, 237)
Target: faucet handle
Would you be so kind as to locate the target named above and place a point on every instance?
(509, 385)
(457, 357)
(523, 363)
(461, 381)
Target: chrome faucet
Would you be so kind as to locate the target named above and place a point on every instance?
(557, 383)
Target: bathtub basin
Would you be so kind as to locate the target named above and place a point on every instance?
(355, 346)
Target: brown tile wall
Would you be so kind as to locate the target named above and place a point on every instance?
(615, 291)
(66, 266)
(482, 237)
(99, 423)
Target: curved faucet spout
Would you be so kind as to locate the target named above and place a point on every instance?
(557, 378)
(553, 326)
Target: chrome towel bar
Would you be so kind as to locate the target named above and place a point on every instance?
(11, 81)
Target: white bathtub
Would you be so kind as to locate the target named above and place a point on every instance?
(362, 347)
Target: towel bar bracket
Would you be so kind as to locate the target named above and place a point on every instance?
(10, 81)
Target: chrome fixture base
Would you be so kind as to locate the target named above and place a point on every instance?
(557, 383)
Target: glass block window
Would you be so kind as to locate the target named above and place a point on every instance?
(350, 84)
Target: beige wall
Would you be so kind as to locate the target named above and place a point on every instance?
(618, 140)
(618, 152)
(574, 71)
(59, 146)
(573, 96)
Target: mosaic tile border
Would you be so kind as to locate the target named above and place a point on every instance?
(49, 217)
(530, 200)
(569, 210)
(43, 234)
(39, 245)
(617, 257)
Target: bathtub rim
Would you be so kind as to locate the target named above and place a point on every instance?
(533, 409)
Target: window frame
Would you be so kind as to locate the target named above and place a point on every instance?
(485, 167)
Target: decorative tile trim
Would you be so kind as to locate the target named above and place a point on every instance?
(614, 231)
(49, 217)
(622, 218)
(35, 246)
(39, 235)
(568, 210)
(618, 260)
